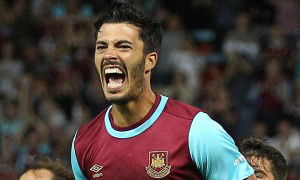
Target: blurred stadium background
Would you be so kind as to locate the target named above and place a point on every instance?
(237, 59)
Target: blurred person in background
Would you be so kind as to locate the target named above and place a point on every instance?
(272, 93)
(295, 108)
(242, 40)
(276, 45)
(260, 129)
(287, 140)
(268, 163)
(173, 37)
(295, 98)
(288, 19)
(239, 79)
(37, 143)
(43, 167)
(10, 69)
(186, 63)
(12, 127)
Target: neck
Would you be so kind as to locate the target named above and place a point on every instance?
(133, 111)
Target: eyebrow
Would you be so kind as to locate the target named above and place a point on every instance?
(101, 42)
(123, 42)
(117, 43)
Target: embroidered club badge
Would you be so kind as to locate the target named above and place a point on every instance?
(158, 164)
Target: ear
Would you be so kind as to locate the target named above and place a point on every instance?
(150, 61)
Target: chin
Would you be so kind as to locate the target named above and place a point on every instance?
(125, 97)
(118, 99)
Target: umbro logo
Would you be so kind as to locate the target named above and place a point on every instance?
(96, 168)
(238, 160)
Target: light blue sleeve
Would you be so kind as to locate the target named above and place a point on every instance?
(75, 166)
(214, 151)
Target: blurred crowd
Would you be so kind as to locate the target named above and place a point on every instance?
(238, 60)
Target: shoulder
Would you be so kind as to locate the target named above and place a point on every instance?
(214, 151)
(208, 135)
(203, 125)
(181, 110)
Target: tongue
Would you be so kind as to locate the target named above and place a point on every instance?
(114, 82)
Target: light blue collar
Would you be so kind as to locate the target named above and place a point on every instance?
(138, 130)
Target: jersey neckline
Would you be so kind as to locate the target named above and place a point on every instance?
(144, 119)
(137, 128)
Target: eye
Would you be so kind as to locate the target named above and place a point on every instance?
(99, 47)
(124, 47)
(259, 175)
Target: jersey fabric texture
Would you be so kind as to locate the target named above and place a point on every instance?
(173, 141)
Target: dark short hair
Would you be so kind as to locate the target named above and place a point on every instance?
(59, 170)
(259, 148)
(120, 12)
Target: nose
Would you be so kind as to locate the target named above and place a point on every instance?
(110, 54)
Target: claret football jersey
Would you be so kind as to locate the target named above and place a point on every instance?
(173, 141)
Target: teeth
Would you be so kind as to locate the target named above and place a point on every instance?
(113, 70)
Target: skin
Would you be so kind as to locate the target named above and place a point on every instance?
(119, 45)
(262, 168)
(38, 174)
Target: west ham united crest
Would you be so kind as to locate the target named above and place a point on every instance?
(158, 164)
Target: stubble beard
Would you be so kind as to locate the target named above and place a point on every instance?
(137, 86)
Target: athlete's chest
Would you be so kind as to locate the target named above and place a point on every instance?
(156, 153)
(128, 159)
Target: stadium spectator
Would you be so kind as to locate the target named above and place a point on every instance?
(43, 167)
(287, 140)
(268, 163)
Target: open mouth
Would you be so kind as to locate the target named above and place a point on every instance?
(114, 77)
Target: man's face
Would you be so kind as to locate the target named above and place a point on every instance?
(262, 168)
(120, 61)
(37, 174)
